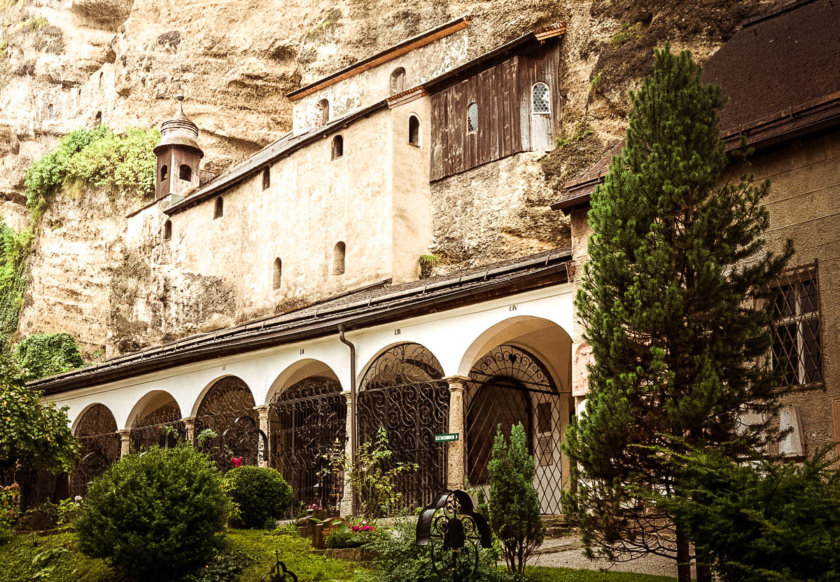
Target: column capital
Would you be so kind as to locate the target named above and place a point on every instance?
(188, 419)
(124, 432)
(456, 382)
(262, 407)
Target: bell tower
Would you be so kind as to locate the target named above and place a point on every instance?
(178, 155)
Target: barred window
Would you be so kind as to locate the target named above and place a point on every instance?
(797, 353)
(472, 118)
(539, 94)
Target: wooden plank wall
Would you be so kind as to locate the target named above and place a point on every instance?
(494, 90)
(503, 96)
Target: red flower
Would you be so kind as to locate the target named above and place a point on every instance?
(237, 461)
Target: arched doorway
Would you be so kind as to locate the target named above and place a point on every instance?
(307, 420)
(506, 386)
(158, 422)
(228, 411)
(100, 444)
(404, 392)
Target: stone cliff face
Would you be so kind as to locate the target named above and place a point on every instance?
(66, 64)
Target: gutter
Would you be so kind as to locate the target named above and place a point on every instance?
(354, 431)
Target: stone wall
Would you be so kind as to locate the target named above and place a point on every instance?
(495, 212)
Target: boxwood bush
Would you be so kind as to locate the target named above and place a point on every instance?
(155, 515)
(260, 493)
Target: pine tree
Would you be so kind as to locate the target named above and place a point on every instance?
(672, 299)
(514, 503)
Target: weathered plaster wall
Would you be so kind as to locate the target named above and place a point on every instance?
(374, 85)
(803, 204)
(313, 202)
(495, 212)
(412, 209)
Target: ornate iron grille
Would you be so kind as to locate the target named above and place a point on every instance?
(403, 391)
(509, 385)
(150, 430)
(100, 444)
(307, 419)
(797, 350)
(228, 410)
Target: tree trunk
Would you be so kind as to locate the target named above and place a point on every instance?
(704, 569)
(683, 557)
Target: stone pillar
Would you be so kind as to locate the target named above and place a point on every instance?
(125, 441)
(189, 427)
(263, 452)
(456, 470)
(346, 505)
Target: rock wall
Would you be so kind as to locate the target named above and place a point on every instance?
(66, 64)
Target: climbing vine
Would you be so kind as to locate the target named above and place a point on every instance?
(14, 248)
(124, 163)
(45, 354)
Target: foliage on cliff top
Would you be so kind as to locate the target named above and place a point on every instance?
(45, 354)
(14, 248)
(98, 157)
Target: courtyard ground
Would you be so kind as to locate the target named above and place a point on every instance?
(53, 556)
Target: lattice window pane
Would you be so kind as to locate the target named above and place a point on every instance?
(540, 97)
(797, 353)
(472, 117)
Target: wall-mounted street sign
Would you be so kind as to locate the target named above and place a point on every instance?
(445, 438)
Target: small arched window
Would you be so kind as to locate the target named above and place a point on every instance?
(220, 208)
(337, 147)
(185, 172)
(164, 172)
(472, 118)
(338, 258)
(98, 119)
(398, 81)
(540, 102)
(50, 111)
(414, 130)
(323, 112)
(100, 80)
(266, 177)
(167, 230)
(278, 273)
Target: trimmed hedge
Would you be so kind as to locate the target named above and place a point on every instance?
(260, 493)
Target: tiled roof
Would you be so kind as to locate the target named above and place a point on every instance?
(371, 305)
(781, 74)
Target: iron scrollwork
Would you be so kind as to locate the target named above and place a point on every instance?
(404, 392)
(100, 447)
(454, 534)
(307, 419)
(224, 411)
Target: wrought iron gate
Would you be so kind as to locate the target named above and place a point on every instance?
(228, 410)
(151, 430)
(509, 385)
(308, 419)
(100, 448)
(403, 391)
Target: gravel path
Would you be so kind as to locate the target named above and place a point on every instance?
(567, 552)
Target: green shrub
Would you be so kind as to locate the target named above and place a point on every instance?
(514, 504)
(260, 493)
(44, 354)
(768, 521)
(155, 515)
(399, 558)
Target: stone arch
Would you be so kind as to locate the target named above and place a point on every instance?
(519, 370)
(402, 390)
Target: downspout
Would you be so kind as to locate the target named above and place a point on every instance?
(354, 436)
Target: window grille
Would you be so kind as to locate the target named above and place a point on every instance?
(472, 118)
(797, 352)
(540, 99)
